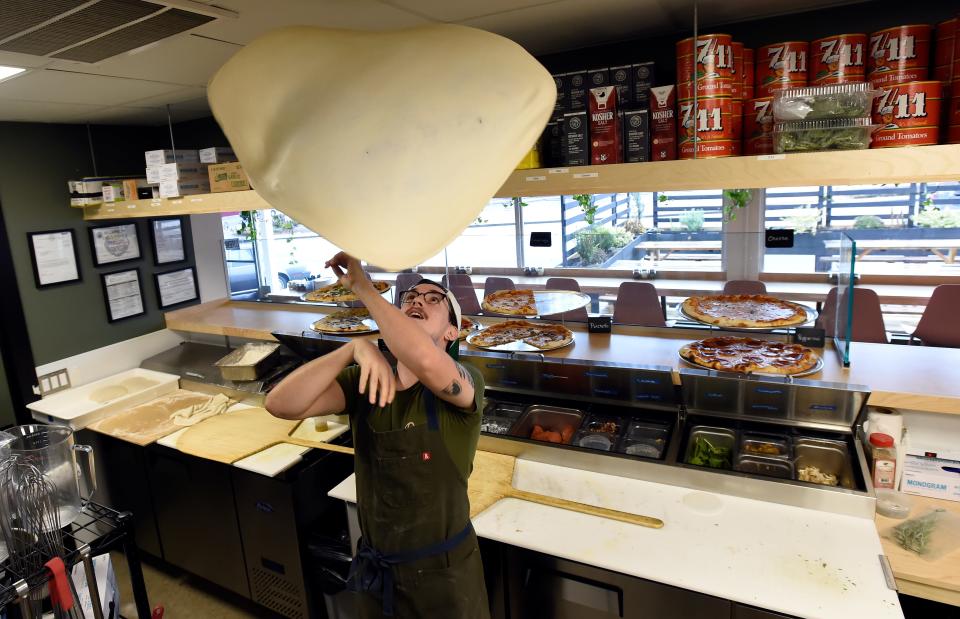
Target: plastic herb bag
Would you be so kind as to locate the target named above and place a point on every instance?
(930, 535)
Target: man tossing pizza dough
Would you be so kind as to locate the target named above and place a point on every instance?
(415, 431)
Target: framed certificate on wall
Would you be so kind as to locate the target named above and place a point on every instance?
(122, 294)
(166, 236)
(114, 244)
(54, 257)
(177, 287)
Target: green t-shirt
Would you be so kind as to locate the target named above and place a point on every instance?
(459, 428)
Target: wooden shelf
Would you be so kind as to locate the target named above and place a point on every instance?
(887, 165)
(860, 167)
(226, 202)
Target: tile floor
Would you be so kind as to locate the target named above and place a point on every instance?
(182, 595)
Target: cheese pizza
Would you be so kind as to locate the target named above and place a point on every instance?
(541, 336)
(745, 311)
(748, 355)
(511, 302)
(345, 321)
(338, 293)
(467, 326)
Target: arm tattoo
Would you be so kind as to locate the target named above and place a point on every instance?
(453, 389)
(464, 374)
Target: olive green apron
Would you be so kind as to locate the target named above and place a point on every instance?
(418, 555)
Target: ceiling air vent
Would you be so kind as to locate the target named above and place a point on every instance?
(89, 31)
(147, 31)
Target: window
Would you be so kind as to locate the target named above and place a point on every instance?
(900, 229)
(490, 241)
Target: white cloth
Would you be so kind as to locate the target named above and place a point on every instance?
(192, 415)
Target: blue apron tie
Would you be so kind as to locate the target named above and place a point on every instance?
(371, 570)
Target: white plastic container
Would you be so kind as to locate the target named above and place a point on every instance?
(80, 406)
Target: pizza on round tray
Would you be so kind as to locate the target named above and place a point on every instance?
(511, 302)
(337, 292)
(344, 321)
(541, 336)
(745, 311)
(748, 355)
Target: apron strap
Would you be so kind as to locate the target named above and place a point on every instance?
(431, 403)
(371, 571)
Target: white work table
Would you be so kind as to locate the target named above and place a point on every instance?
(792, 560)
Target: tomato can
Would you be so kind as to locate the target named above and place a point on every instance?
(780, 66)
(713, 130)
(758, 126)
(748, 73)
(707, 88)
(737, 70)
(713, 58)
(908, 114)
(899, 54)
(944, 42)
(838, 59)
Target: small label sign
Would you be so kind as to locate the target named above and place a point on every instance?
(782, 239)
(809, 336)
(599, 324)
(541, 239)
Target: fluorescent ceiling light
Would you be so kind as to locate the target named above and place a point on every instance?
(6, 72)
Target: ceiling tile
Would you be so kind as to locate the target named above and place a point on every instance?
(13, 59)
(125, 116)
(571, 24)
(65, 87)
(185, 60)
(42, 111)
(177, 96)
(258, 17)
(444, 10)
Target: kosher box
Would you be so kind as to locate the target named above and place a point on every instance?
(217, 154)
(227, 177)
(159, 157)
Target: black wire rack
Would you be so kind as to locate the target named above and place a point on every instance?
(102, 529)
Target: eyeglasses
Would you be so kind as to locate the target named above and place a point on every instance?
(430, 297)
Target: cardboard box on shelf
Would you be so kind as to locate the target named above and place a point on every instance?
(636, 136)
(227, 177)
(85, 192)
(217, 154)
(172, 188)
(160, 157)
(181, 171)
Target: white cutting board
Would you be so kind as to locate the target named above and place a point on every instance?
(78, 407)
(277, 459)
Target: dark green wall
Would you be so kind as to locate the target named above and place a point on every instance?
(36, 160)
(6, 406)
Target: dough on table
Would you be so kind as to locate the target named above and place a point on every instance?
(425, 123)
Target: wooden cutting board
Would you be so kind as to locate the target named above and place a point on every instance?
(148, 423)
(233, 436)
(492, 480)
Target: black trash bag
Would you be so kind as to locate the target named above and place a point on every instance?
(330, 558)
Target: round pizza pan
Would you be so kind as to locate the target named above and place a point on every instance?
(816, 368)
(473, 329)
(370, 323)
(556, 302)
(514, 346)
(811, 317)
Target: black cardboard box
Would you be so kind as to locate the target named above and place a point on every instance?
(636, 136)
(644, 78)
(598, 78)
(575, 143)
(622, 78)
(577, 88)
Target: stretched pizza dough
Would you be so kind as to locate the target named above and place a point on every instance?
(386, 143)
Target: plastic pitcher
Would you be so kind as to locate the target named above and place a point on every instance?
(51, 449)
